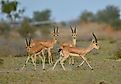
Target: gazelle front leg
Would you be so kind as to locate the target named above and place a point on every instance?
(81, 64)
(26, 62)
(56, 63)
(87, 62)
(43, 63)
(35, 58)
(62, 62)
(33, 61)
(41, 57)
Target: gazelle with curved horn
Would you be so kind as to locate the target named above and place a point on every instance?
(33, 51)
(72, 43)
(49, 44)
(78, 52)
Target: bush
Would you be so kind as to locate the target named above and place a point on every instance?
(25, 28)
(116, 24)
(4, 28)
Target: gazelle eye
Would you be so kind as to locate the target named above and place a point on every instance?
(96, 44)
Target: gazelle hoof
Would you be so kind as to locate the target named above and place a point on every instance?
(43, 69)
(53, 68)
(92, 69)
(77, 66)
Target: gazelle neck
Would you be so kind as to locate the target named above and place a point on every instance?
(74, 41)
(91, 47)
(54, 39)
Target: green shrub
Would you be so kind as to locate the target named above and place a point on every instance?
(25, 28)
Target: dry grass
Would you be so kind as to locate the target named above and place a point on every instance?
(106, 70)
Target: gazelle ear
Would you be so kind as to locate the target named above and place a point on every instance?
(29, 42)
(93, 41)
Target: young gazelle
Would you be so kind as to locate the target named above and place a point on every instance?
(71, 44)
(32, 51)
(78, 52)
(49, 44)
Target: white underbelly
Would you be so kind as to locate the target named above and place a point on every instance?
(72, 54)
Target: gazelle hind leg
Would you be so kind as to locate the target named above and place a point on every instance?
(56, 63)
(71, 60)
(26, 62)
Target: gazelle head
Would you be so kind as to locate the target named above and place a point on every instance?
(74, 35)
(55, 33)
(28, 42)
(94, 42)
(74, 32)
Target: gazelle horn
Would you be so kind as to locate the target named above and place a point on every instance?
(71, 29)
(75, 30)
(54, 28)
(29, 35)
(57, 30)
(94, 37)
(26, 41)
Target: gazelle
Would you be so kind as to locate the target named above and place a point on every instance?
(78, 52)
(32, 51)
(49, 44)
(71, 44)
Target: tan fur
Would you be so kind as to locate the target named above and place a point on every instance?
(34, 50)
(71, 44)
(48, 44)
(67, 51)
